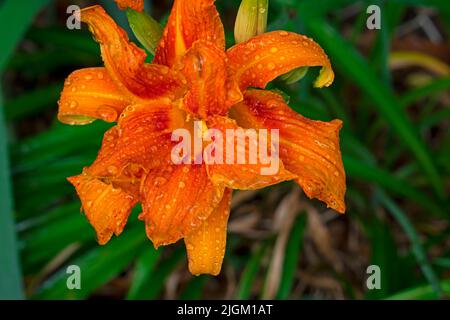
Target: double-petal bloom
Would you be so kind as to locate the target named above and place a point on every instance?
(193, 78)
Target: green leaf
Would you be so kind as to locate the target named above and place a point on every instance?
(98, 266)
(146, 29)
(357, 69)
(194, 288)
(370, 173)
(250, 272)
(10, 273)
(32, 102)
(152, 283)
(293, 250)
(418, 93)
(16, 17)
(421, 292)
(416, 244)
(143, 271)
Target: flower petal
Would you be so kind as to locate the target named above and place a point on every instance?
(106, 207)
(125, 61)
(310, 149)
(205, 246)
(265, 57)
(211, 90)
(90, 94)
(189, 21)
(137, 5)
(175, 200)
(141, 141)
(249, 159)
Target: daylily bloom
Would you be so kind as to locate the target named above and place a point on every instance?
(137, 5)
(193, 77)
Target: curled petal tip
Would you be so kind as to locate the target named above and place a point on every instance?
(325, 78)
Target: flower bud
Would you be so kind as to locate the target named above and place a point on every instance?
(251, 19)
(294, 75)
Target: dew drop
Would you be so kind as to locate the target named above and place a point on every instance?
(73, 104)
(272, 103)
(107, 113)
(112, 170)
(271, 66)
(160, 181)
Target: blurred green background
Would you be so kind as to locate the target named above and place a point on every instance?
(391, 91)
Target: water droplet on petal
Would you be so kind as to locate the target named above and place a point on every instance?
(112, 170)
(271, 66)
(107, 113)
(160, 181)
(73, 104)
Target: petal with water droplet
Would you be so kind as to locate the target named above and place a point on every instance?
(261, 56)
(90, 94)
(310, 149)
(171, 212)
(125, 61)
(107, 208)
(212, 91)
(205, 245)
(189, 21)
(250, 158)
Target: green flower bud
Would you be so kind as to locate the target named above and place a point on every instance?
(294, 75)
(251, 19)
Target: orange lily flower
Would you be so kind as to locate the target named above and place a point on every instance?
(193, 77)
(137, 5)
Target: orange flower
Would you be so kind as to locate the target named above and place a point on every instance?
(137, 5)
(193, 77)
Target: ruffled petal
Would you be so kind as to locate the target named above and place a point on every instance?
(175, 200)
(205, 246)
(90, 94)
(211, 90)
(189, 21)
(267, 56)
(310, 149)
(107, 208)
(125, 61)
(238, 162)
(141, 140)
(137, 5)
